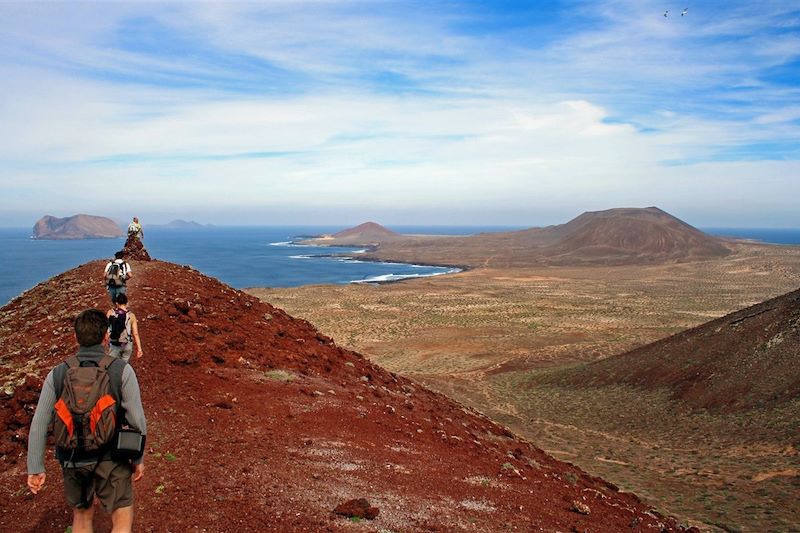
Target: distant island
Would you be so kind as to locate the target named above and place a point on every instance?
(181, 224)
(76, 227)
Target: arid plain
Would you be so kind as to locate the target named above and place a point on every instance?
(483, 336)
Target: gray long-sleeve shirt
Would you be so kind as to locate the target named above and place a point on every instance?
(131, 402)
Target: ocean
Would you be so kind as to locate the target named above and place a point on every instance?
(239, 256)
(768, 235)
(250, 256)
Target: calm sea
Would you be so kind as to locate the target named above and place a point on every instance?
(239, 256)
(768, 235)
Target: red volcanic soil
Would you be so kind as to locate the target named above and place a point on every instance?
(257, 422)
(747, 359)
(76, 227)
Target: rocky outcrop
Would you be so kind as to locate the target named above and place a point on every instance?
(134, 250)
(76, 227)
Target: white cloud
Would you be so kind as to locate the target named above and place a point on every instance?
(487, 122)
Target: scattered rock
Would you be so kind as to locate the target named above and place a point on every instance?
(28, 392)
(358, 507)
(580, 507)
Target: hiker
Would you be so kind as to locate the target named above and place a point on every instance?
(123, 330)
(135, 229)
(117, 273)
(109, 386)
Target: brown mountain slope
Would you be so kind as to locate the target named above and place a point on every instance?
(76, 227)
(612, 237)
(366, 234)
(258, 422)
(629, 236)
(368, 230)
(745, 360)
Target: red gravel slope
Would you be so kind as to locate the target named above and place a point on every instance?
(259, 423)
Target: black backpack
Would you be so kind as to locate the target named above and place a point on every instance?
(118, 327)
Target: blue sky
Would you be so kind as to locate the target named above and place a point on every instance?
(335, 112)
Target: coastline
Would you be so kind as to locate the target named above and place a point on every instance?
(454, 269)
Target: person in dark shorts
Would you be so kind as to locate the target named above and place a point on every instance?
(90, 476)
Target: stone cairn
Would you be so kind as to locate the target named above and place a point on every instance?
(135, 250)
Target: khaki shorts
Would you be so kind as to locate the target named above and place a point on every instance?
(122, 352)
(110, 482)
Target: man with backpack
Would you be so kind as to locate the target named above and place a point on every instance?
(123, 329)
(88, 398)
(117, 273)
(135, 229)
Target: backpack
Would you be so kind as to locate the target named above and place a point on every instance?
(118, 327)
(115, 276)
(86, 411)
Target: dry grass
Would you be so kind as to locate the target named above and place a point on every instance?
(483, 337)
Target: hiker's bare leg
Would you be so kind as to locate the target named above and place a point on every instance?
(82, 520)
(122, 519)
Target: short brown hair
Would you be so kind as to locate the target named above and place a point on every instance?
(90, 327)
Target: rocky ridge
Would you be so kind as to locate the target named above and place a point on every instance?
(257, 421)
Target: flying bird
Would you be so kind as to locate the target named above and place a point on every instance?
(686, 10)
(666, 13)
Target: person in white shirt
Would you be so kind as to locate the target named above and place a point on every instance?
(135, 229)
(117, 273)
